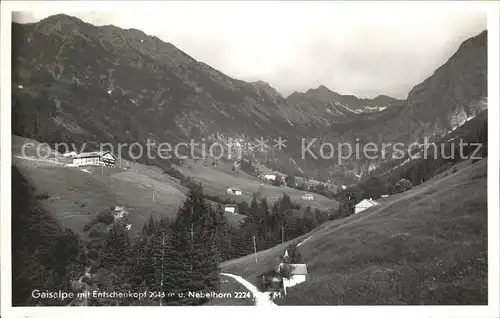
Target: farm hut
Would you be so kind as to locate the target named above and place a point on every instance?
(234, 191)
(307, 196)
(365, 204)
(231, 208)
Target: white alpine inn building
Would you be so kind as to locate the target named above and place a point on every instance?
(98, 158)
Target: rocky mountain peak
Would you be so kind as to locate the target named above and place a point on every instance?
(60, 24)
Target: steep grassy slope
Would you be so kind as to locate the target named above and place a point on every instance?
(425, 246)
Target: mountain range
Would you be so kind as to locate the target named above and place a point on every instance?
(73, 81)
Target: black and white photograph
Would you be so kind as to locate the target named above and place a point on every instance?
(254, 153)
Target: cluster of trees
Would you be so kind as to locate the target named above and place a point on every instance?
(417, 171)
(272, 225)
(278, 181)
(168, 258)
(32, 117)
(403, 185)
(372, 188)
(318, 188)
(44, 255)
(247, 166)
(290, 181)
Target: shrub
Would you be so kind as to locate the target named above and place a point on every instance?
(290, 181)
(294, 255)
(96, 233)
(301, 186)
(335, 214)
(174, 173)
(88, 226)
(403, 185)
(85, 279)
(42, 196)
(277, 181)
(218, 199)
(93, 254)
(188, 183)
(285, 270)
(265, 281)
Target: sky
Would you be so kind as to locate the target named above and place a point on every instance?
(363, 49)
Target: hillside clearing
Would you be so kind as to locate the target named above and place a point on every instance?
(216, 180)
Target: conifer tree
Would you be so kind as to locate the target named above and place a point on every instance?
(263, 218)
(166, 272)
(311, 219)
(285, 202)
(222, 235)
(194, 233)
(116, 249)
(143, 259)
(251, 223)
(180, 267)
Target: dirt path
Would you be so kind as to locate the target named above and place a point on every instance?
(303, 241)
(261, 299)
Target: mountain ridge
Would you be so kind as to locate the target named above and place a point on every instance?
(74, 21)
(107, 84)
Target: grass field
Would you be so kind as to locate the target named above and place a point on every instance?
(425, 246)
(216, 180)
